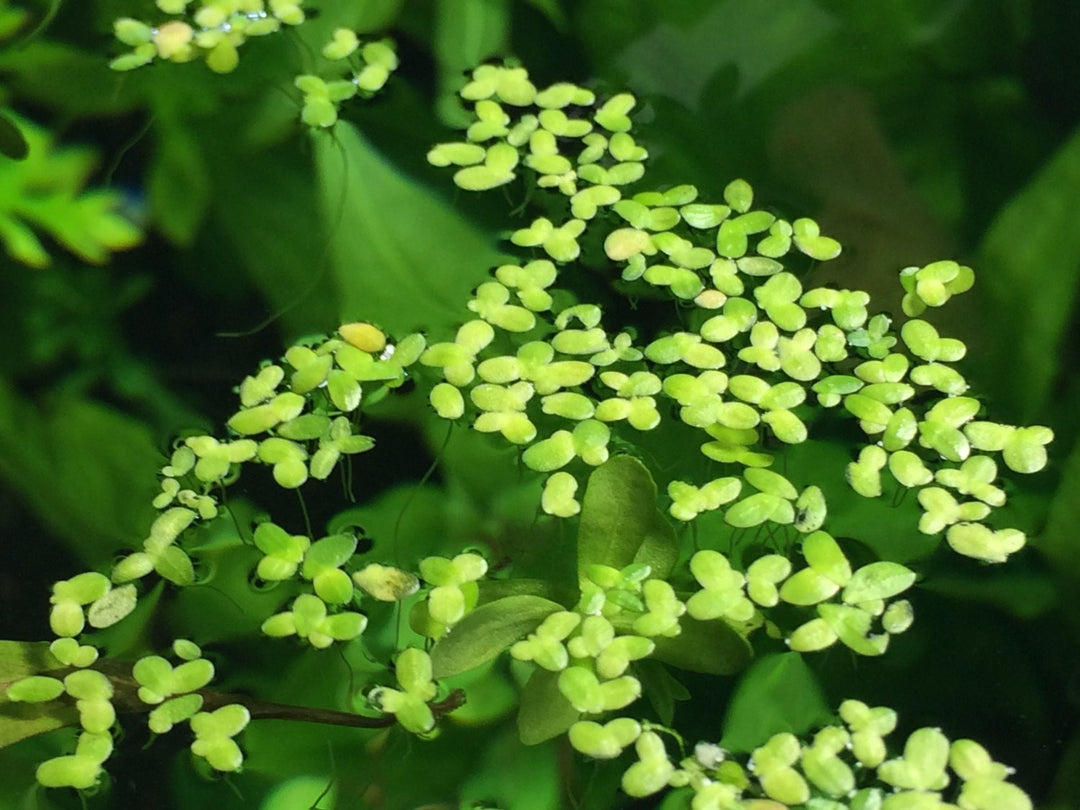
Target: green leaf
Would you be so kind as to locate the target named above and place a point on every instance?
(619, 518)
(178, 184)
(44, 451)
(418, 266)
(779, 693)
(661, 688)
(1037, 229)
(21, 659)
(711, 647)
(544, 712)
(487, 631)
(12, 143)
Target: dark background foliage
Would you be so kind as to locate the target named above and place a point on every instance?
(912, 131)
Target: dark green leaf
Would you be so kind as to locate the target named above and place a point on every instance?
(779, 693)
(12, 142)
(87, 470)
(494, 589)
(661, 688)
(1058, 539)
(178, 185)
(712, 647)
(20, 659)
(619, 518)
(404, 258)
(487, 631)
(1028, 268)
(544, 712)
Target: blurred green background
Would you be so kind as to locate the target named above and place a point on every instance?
(912, 130)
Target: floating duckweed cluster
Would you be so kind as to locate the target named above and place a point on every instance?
(211, 30)
(757, 359)
(214, 30)
(751, 314)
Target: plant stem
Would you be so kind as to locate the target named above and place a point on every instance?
(126, 700)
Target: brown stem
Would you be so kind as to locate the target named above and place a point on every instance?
(126, 700)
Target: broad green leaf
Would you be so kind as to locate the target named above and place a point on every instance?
(1058, 538)
(178, 183)
(487, 631)
(660, 687)
(466, 33)
(1029, 266)
(670, 60)
(96, 507)
(544, 712)
(778, 693)
(21, 659)
(619, 517)
(711, 647)
(408, 277)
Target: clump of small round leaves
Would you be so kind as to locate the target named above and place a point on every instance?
(773, 764)
(983, 543)
(545, 645)
(410, 703)
(922, 767)
(455, 590)
(723, 593)
(70, 653)
(342, 44)
(322, 565)
(868, 728)
(689, 501)
(309, 620)
(214, 732)
(586, 693)
(605, 741)
(558, 497)
(66, 617)
(653, 769)
(92, 691)
(1023, 449)
(81, 770)
(283, 552)
(158, 679)
(933, 285)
